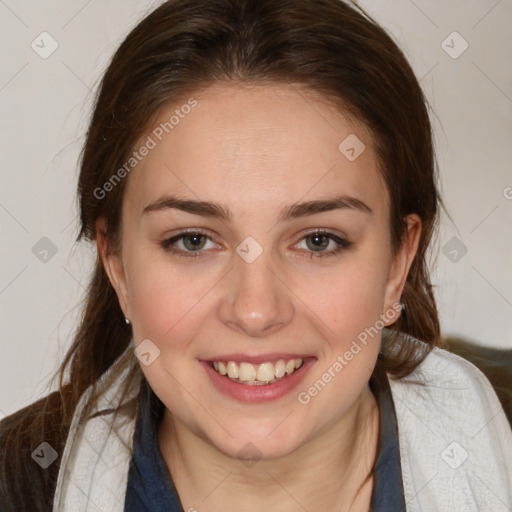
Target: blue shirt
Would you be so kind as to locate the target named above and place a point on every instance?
(388, 491)
(150, 488)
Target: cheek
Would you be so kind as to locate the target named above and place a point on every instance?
(347, 299)
(350, 313)
(164, 299)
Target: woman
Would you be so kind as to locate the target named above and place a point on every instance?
(260, 330)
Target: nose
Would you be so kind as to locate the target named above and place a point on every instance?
(257, 301)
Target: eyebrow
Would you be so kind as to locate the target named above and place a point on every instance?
(293, 211)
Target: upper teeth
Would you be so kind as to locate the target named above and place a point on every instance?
(257, 373)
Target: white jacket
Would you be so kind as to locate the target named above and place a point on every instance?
(455, 443)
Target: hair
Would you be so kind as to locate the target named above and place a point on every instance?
(184, 46)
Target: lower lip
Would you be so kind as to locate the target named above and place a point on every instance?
(258, 393)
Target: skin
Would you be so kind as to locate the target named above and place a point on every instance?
(282, 150)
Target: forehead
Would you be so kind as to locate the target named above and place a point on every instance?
(258, 145)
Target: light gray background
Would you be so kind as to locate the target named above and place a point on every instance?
(45, 106)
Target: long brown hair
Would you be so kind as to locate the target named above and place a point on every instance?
(332, 48)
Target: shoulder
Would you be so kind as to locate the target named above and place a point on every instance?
(443, 373)
(450, 418)
(448, 369)
(448, 382)
(29, 439)
(495, 363)
(453, 435)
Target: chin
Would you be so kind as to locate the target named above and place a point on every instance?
(252, 444)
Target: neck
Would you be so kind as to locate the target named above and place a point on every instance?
(337, 461)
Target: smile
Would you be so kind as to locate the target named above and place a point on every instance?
(257, 374)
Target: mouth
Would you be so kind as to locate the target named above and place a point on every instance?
(262, 378)
(259, 374)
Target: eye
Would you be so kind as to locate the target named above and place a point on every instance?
(191, 242)
(318, 240)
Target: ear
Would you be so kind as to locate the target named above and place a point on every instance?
(400, 266)
(113, 265)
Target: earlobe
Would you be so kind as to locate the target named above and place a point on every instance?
(401, 264)
(112, 264)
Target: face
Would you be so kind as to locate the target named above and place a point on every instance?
(253, 245)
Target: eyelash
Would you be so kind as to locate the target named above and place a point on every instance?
(167, 244)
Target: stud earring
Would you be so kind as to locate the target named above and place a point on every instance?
(127, 321)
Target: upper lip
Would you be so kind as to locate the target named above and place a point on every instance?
(258, 359)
